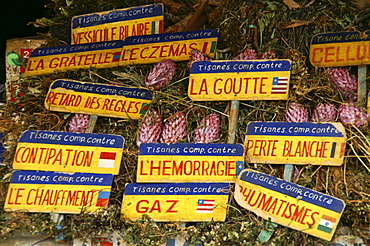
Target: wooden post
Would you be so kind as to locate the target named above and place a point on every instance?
(362, 85)
(233, 121)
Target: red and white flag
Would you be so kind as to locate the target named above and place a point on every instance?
(205, 206)
(279, 85)
(107, 159)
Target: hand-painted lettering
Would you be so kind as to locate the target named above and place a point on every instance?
(145, 206)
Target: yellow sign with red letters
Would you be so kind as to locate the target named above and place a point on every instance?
(176, 46)
(289, 204)
(340, 49)
(69, 152)
(98, 99)
(38, 191)
(239, 80)
(143, 49)
(117, 24)
(176, 202)
(189, 162)
(72, 57)
(295, 143)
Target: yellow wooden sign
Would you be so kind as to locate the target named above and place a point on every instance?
(98, 99)
(69, 152)
(176, 46)
(239, 80)
(117, 24)
(289, 204)
(72, 57)
(187, 162)
(34, 191)
(295, 143)
(340, 49)
(176, 202)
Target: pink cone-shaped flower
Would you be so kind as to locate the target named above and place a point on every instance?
(344, 81)
(247, 54)
(79, 123)
(269, 54)
(197, 55)
(161, 74)
(324, 112)
(296, 113)
(208, 130)
(150, 129)
(174, 129)
(353, 114)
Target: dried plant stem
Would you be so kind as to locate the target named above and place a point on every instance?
(202, 106)
(178, 81)
(354, 151)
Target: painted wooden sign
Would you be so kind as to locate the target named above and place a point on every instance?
(340, 49)
(38, 191)
(176, 46)
(176, 202)
(72, 57)
(189, 162)
(69, 152)
(117, 24)
(97, 99)
(289, 204)
(239, 80)
(295, 143)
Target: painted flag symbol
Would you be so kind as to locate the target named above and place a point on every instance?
(205, 206)
(107, 159)
(279, 85)
(144, 108)
(157, 27)
(103, 198)
(326, 224)
(212, 49)
(116, 56)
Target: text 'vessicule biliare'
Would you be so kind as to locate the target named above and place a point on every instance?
(111, 33)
